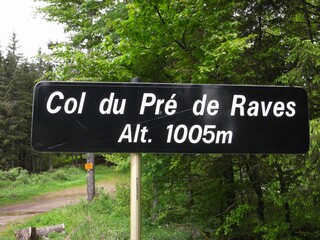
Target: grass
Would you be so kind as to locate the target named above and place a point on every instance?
(18, 185)
(104, 173)
(105, 217)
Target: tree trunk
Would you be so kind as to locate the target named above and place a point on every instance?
(155, 202)
(228, 175)
(26, 233)
(33, 161)
(190, 184)
(40, 162)
(254, 176)
(36, 233)
(50, 163)
(44, 231)
(306, 17)
(283, 190)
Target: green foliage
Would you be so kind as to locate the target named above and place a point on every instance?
(275, 230)
(103, 218)
(234, 219)
(121, 160)
(227, 42)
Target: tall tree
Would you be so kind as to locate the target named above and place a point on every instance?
(17, 77)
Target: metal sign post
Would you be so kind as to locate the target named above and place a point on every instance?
(135, 192)
(135, 197)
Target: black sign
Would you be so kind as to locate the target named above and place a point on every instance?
(171, 118)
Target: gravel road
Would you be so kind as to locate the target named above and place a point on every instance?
(44, 203)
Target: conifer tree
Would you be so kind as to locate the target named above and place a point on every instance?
(17, 78)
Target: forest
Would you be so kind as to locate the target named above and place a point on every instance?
(265, 42)
(18, 76)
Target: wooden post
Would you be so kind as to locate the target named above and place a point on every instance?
(90, 177)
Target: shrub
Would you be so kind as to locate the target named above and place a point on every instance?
(14, 174)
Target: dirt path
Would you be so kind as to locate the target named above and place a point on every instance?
(47, 202)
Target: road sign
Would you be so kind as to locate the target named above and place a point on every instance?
(88, 166)
(171, 118)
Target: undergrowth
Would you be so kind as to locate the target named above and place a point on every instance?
(104, 218)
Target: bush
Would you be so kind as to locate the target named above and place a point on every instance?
(60, 175)
(102, 203)
(14, 177)
(14, 174)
